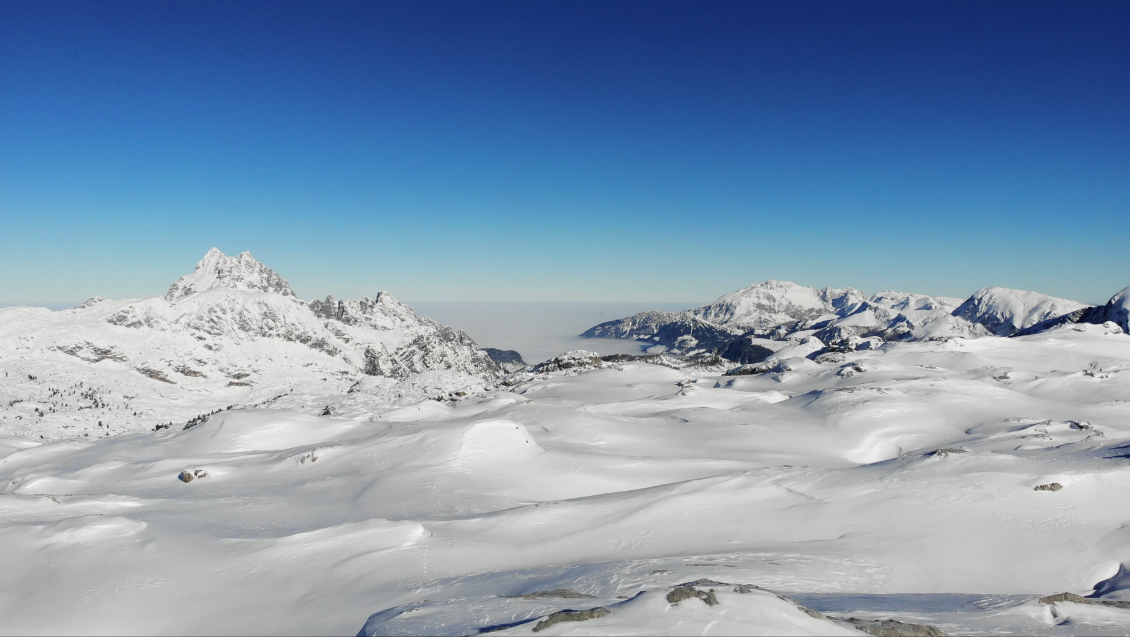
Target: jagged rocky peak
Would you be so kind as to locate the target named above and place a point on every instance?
(380, 312)
(328, 309)
(217, 270)
(1004, 312)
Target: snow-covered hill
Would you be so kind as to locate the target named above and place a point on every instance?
(231, 333)
(1004, 312)
(735, 323)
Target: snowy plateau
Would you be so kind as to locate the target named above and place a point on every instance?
(231, 459)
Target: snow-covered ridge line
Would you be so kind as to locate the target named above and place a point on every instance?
(776, 310)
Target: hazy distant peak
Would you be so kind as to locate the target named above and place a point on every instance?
(773, 302)
(216, 270)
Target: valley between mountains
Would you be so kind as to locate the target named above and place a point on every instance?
(231, 459)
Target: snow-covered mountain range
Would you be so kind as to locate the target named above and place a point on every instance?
(232, 332)
(740, 325)
(826, 463)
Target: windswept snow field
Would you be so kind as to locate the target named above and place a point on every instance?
(348, 467)
(910, 469)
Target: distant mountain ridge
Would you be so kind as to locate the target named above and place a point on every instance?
(771, 303)
(737, 324)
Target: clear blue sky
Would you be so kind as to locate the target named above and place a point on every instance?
(631, 151)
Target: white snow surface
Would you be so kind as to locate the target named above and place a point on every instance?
(872, 485)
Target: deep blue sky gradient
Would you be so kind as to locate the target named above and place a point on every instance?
(629, 151)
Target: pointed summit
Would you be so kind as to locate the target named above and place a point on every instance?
(216, 270)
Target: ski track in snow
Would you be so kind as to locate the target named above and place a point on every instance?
(422, 517)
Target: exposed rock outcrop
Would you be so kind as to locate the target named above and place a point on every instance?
(571, 616)
(894, 628)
